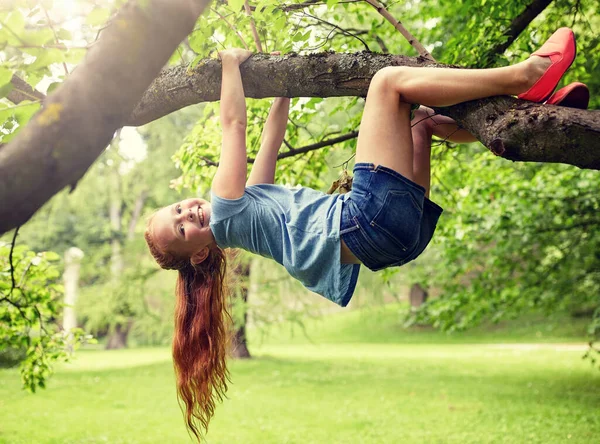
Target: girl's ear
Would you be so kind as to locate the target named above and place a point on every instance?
(199, 256)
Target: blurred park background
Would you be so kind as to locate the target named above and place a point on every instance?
(487, 337)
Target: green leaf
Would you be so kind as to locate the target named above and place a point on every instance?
(196, 41)
(236, 5)
(195, 62)
(300, 37)
(5, 75)
(98, 16)
(46, 57)
(22, 114)
(63, 34)
(51, 256)
(280, 23)
(5, 112)
(53, 86)
(6, 89)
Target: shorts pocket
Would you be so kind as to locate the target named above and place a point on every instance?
(398, 221)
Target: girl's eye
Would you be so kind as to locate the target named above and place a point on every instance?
(178, 209)
(182, 230)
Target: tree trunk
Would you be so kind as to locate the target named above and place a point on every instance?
(418, 295)
(135, 215)
(239, 346)
(114, 214)
(118, 338)
(73, 258)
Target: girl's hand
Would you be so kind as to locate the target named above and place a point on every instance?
(237, 55)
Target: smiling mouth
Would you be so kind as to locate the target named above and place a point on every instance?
(200, 216)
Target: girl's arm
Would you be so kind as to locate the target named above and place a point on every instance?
(263, 170)
(230, 178)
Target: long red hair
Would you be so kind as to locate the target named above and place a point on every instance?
(202, 332)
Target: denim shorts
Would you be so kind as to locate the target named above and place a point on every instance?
(386, 219)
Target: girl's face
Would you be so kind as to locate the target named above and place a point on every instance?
(182, 228)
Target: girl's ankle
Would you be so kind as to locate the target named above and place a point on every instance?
(524, 77)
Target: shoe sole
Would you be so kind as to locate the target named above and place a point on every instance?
(565, 71)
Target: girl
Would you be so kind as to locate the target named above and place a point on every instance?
(386, 220)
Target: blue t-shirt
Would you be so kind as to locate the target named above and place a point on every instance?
(299, 228)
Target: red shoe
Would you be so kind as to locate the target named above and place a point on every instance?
(574, 95)
(560, 47)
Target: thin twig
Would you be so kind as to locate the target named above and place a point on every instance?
(232, 27)
(21, 105)
(576, 7)
(407, 35)
(253, 26)
(296, 151)
(10, 257)
(337, 27)
(446, 188)
(15, 35)
(18, 307)
(39, 315)
(307, 4)
(517, 26)
(345, 163)
(55, 36)
(51, 46)
(318, 145)
(209, 162)
(425, 118)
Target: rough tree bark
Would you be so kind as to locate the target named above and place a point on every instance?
(511, 128)
(79, 119)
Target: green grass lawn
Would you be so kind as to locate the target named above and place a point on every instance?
(457, 390)
(384, 325)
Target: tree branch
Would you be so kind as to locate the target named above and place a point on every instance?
(530, 132)
(10, 259)
(400, 27)
(55, 36)
(315, 146)
(297, 151)
(78, 120)
(511, 128)
(515, 29)
(253, 27)
(316, 75)
(231, 26)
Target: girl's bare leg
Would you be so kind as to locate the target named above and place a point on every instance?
(421, 135)
(425, 124)
(385, 133)
(441, 126)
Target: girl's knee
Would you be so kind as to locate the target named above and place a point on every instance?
(390, 78)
